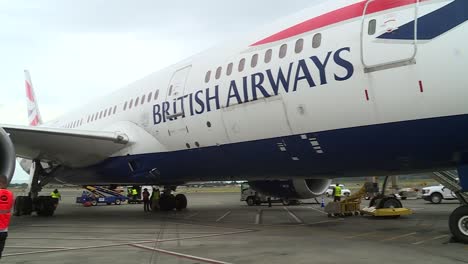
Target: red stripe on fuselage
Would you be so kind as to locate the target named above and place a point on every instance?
(336, 16)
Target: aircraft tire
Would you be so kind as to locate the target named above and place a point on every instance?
(458, 224)
(167, 202)
(250, 201)
(27, 207)
(180, 202)
(17, 210)
(390, 202)
(45, 206)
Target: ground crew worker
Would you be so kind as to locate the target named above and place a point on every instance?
(56, 196)
(146, 200)
(155, 199)
(337, 193)
(6, 203)
(135, 194)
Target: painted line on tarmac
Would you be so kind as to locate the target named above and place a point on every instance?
(36, 247)
(326, 221)
(398, 237)
(293, 215)
(361, 235)
(315, 209)
(223, 216)
(129, 243)
(258, 217)
(190, 216)
(180, 255)
(432, 239)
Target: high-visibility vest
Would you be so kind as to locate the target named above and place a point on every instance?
(337, 191)
(55, 195)
(156, 196)
(134, 192)
(6, 203)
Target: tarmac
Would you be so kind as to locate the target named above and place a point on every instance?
(218, 228)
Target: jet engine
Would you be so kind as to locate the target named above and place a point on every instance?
(7, 155)
(292, 189)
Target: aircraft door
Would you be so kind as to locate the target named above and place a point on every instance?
(389, 39)
(176, 86)
(174, 131)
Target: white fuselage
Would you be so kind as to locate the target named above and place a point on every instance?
(343, 78)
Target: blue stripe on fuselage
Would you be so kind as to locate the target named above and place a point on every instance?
(361, 151)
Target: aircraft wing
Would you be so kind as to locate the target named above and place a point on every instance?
(72, 148)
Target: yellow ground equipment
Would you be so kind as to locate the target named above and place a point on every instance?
(385, 206)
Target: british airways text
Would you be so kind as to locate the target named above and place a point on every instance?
(256, 86)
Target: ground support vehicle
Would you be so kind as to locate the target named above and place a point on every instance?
(252, 197)
(100, 195)
(435, 194)
(380, 205)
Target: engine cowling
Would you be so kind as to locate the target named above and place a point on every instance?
(7, 155)
(292, 189)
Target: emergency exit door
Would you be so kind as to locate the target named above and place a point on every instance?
(381, 47)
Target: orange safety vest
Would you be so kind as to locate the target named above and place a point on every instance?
(6, 203)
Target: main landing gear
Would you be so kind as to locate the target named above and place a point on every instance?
(42, 205)
(458, 184)
(169, 201)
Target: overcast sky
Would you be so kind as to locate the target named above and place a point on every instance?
(79, 50)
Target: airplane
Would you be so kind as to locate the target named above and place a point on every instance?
(346, 88)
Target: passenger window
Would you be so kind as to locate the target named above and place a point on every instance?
(125, 106)
(317, 40)
(81, 122)
(137, 101)
(299, 46)
(218, 73)
(241, 65)
(143, 99)
(130, 105)
(229, 69)
(283, 51)
(254, 61)
(100, 115)
(105, 113)
(115, 109)
(89, 117)
(170, 89)
(156, 95)
(268, 55)
(372, 27)
(110, 111)
(208, 76)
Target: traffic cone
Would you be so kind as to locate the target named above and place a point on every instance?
(323, 203)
